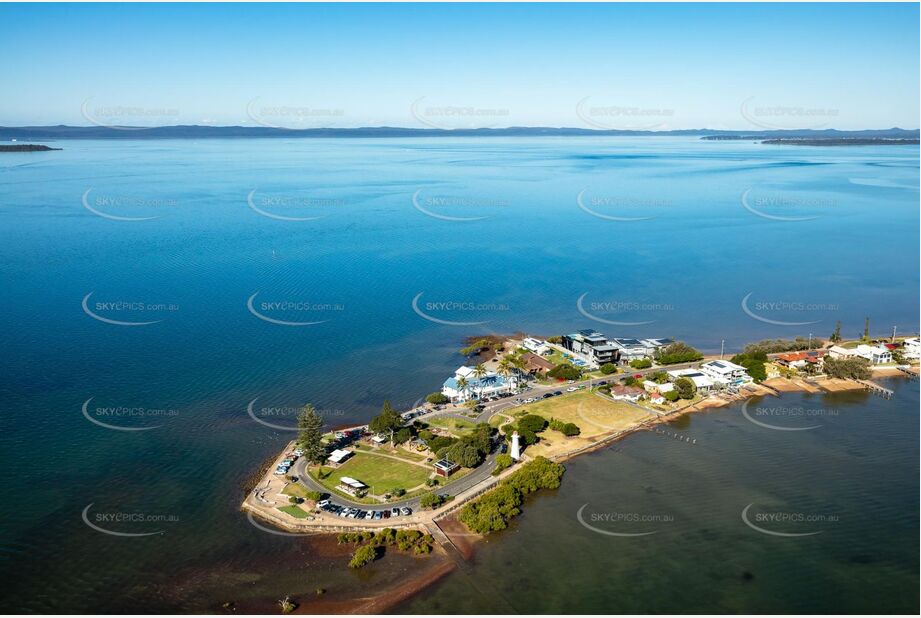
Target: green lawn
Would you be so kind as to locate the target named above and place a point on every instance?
(294, 489)
(451, 424)
(380, 474)
(294, 511)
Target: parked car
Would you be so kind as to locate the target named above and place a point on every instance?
(386, 514)
(323, 503)
(557, 392)
(369, 515)
(378, 515)
(571, 389)
(395, 511)
(406, 511)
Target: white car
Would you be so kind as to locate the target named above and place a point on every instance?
(322, 503)
(571, 389)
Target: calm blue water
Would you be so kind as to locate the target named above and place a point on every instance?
(837, 241)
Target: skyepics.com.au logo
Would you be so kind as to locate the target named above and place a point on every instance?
(127, 524)
(448, 312)
(285, 418)
(461, 208)
(126, 417)
(769, 311)
(619, 523)
(125, 207)
(623, 208)
(285, 116)
(449, 116)
(593, 310)
(127, 312)
(779, 117)
(786, 524)
(785, 206)
(613, 113)
(786, 418)
(127, 117)
(292, 208)
(284, 312)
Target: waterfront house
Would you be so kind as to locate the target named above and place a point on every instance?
(445, 468)
(650, 387)
(536, 364)
(535, 346)
(656, 397)
(876, 354)
(725, 373)
(911, 348)
(592, 345)
(627, 393)
(798, 360)
(839, 352)
(703, 383)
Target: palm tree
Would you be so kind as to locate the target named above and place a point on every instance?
(505, 370)
(462, 386)
(479, 372)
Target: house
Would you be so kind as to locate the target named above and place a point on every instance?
(627, 393)
(657, 344)
(703, 383)
(477, 387)
(535, 346)
(592, 344)
(876, 354)
(339, 456)
(798, 360)
(445, 468)
(656, 397)
(352, 486)
(725, 373)
(838, 352)
(911, 348)
(631, 349)
(650, 387)
(536, 364)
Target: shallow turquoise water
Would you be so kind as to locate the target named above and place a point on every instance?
(522, 264)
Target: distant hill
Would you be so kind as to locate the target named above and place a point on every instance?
(202, 132)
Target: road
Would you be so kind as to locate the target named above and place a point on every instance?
(484, 471)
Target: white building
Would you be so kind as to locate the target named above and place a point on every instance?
(535, 346)
(911, 348)
(650, 387)
(339, 455)
(701, 381)
(876, 354)
(476, 387)
(725, 373)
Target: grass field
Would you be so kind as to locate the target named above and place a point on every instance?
(294, 511)
(452, 424)
(593, 415)
(380, 474)
(294, 489)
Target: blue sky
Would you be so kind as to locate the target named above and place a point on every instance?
(655, 66)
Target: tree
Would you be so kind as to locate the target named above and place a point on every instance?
(753, 363)
(385, 422)
(462, 387)
(310, 434)
(678, 352)
(503, 461)
(555, 339)
(608, 369)
(836, 336)
(866, 329)
(671, 395)
(898, 356)
(532, 422)
(403, 435)
(641, 363)
(431, 500)
(686, 388)
(366, 554)
(854, 368)
(437, 398)
(565, 371)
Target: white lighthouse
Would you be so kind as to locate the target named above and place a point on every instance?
(516, 449)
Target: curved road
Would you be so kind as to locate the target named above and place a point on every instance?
(485, 469)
